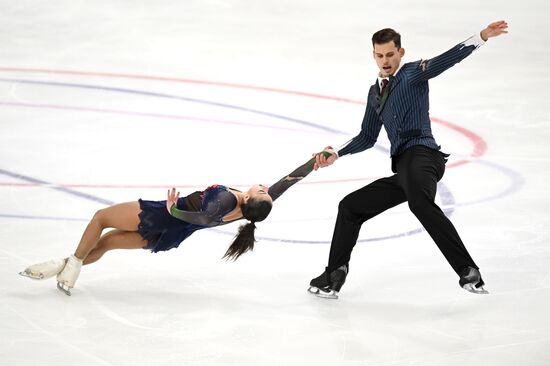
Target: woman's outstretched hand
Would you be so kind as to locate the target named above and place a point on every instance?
(172, 198)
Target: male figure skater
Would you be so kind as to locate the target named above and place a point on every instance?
(399, 101)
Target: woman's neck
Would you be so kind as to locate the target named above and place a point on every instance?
(239, 195)
(236, 213)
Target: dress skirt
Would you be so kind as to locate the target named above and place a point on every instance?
(161, 230)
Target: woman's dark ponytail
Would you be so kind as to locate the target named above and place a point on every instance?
(254, 210)
(244, 241)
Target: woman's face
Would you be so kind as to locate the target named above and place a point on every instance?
(259, 191)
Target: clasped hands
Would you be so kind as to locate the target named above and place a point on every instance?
(321, 161)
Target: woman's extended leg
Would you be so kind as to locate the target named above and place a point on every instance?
(115, 239)
(123, 216)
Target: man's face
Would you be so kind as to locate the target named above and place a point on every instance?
(387, 57)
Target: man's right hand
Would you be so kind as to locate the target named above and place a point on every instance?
(322, 161)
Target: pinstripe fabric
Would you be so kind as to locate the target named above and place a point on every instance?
(405, 112)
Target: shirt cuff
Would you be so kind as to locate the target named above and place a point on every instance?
(474, 40)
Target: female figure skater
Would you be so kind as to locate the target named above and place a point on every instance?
(163, 225)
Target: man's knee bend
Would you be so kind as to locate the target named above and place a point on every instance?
(419, 205)
(344, 211)
(345, 204)
(346, 214)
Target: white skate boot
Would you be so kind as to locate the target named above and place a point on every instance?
(66, 279)
(44, 270)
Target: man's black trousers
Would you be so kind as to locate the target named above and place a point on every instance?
(418, 170)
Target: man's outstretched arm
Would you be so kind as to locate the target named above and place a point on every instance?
(430, 68)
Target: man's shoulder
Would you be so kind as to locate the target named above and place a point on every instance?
(409, 66)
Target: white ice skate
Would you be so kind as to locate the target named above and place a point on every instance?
(66, 279)
(44, 270)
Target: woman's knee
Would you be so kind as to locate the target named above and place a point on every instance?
(101, 218)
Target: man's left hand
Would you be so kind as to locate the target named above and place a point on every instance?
(494, 29)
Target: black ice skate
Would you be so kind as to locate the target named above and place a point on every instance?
(470, 280)
(328, 285)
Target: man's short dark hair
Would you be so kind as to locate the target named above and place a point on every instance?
(386, 35)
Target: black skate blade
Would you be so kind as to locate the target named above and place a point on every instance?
(28, 275)
(62, 289)
(475, 290)
(322, 293)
